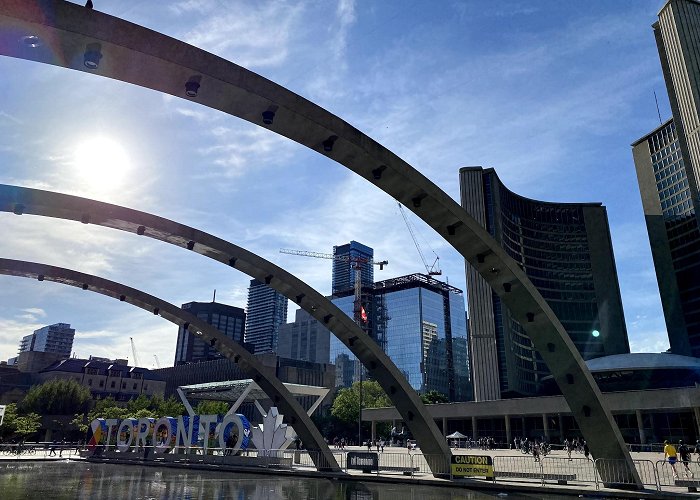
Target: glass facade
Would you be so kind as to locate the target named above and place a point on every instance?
(266, 312)
(421, 325)
(57, 338)
(565, 250)
(344, 271)
(680, 242)
(228, 320)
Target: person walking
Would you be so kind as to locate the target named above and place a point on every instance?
(684, 452)
(586, 450)
(671, 456)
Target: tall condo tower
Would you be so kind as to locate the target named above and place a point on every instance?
(667, 161)
(266, 312)
(228, 320)
(343, 270)
(566, 251)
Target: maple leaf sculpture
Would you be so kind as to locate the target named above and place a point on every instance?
(272, 434)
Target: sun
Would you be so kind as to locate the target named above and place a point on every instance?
(101, 163)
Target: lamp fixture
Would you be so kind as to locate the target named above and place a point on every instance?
(192, 85)
(93, 54)
(31, 41)
(268, 116)
(328, 143)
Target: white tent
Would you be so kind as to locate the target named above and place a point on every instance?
(456, 435)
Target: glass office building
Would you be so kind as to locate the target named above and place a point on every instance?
(672, 224)
(228, 320)
(667, 161)
(421, 325)
(566, 251)
(56, 338)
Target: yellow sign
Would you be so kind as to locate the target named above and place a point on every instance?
(472, 465)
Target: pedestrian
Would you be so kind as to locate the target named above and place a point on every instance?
(586, 450)
(536, 451)
(567, 447)
(671, 456)
(376, 442)
(697, 449)
(369, 445)
(381, 444)
(684, 452)
(52, 450)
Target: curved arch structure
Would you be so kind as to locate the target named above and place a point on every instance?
(273, 387)
(37, 202)
(67, 35)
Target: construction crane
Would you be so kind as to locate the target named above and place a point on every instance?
(157, 362)
(356, 261)
(133, 351)
(433, 270)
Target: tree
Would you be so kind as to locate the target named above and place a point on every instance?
(433, 397)
(212, 408)
(15, 423)
(346, 406)
(56, 397)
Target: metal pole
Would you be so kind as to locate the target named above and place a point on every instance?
(359, 420)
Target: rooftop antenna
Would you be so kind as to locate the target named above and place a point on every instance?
(214, 299)
(657, 108)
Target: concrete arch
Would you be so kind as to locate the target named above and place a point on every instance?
(21, 200)
(143, 57)
(273, 387)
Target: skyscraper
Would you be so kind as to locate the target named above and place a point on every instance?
(566, 251)
(266, 312)
(670, 215)
(667, 161)
(343, 270)
(306, 339)
(228, 320)
(420, 323)
(57, 339)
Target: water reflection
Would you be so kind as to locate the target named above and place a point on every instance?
(71, 480)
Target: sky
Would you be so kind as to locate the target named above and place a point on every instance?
(551, 94)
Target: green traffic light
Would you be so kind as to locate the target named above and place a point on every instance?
(595, 333)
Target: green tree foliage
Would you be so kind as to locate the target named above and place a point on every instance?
(212, 408)
(346, 406)
(16, 423)
(56, 397)
(433, 397)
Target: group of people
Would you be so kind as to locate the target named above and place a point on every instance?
(379, 443)
(671, 454)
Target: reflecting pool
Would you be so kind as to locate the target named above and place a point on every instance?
(71, 480)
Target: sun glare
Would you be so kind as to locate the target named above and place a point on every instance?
(101, 163)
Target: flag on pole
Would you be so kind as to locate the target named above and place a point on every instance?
(363, 314)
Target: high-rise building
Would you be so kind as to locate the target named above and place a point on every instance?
(667, 161)
(305, 340)
(344, 269)
(266, 312)
(227, 319)
(57, 339)
(566, 251)
(420, 323)
(670, 214)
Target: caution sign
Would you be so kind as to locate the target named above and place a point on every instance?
(472, 465)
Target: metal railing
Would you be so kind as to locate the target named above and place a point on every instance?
(574, 469)
(523, 468)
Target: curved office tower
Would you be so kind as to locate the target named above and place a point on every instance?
(565, 250)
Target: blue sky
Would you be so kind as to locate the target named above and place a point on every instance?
(549, 93)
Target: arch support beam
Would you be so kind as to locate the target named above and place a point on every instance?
(136, 55)
(273, 387)
(14, 199)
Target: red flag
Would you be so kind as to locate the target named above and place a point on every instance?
(363, 314)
